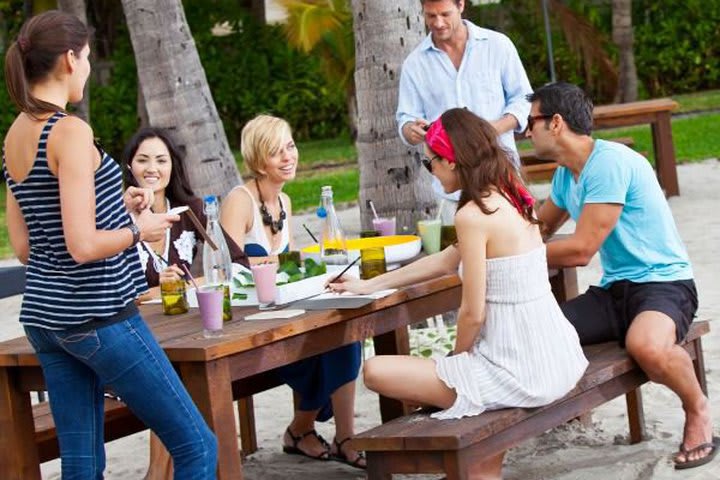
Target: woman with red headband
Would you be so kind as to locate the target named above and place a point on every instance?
(514, 347)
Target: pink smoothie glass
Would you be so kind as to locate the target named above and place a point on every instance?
(264, 276)
(385, 226)
(210, 302)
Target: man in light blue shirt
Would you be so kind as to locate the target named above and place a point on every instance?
(646, 299)
(461, 65)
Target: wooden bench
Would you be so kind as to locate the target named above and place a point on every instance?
(538, 170)
(419, 444)
(121, 422)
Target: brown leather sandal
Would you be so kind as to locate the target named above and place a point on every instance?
(296, 450)
(340, 456)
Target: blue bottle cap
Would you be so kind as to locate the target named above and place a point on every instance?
(321, 212)
(210, 199)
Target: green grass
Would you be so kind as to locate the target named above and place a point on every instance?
(5, 249)
(690, 102)
(305, 191)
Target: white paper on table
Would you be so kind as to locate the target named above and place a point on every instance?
(345, 300)
(288, 313)
(375, 295)
(333, 295)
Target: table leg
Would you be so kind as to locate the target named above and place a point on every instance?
(564, 284)
(665, 154)
(396, 342)
(211, 389)
(18, 452)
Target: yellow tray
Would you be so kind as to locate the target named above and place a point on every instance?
(398, 248)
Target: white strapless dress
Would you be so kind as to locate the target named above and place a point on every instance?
(527, 354)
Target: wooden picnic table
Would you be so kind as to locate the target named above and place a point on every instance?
(656, 113)
(208, 367)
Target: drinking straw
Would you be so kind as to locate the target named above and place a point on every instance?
(440, 209)
(192, 280)
(159, 257)
(201, 229)
(344, 270)
(372, 206)
(310, 233)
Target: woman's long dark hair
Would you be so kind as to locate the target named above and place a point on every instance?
(33, 55)
(178, 190)
(482, 165)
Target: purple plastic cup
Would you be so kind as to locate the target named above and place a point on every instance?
(210, 301)
(384, 225)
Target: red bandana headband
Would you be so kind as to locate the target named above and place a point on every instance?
(437, 139)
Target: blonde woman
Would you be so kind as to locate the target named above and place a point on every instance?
(257, 216)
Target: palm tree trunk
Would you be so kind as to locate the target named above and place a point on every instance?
(390, 172)
(79, 9)
(622, 33)
(176, 92)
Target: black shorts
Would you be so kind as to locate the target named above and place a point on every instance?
(601, 315)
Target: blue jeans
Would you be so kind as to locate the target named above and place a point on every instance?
(126, 356)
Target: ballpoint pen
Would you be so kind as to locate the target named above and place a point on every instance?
(344, 270)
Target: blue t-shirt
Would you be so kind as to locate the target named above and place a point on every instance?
(645, 245)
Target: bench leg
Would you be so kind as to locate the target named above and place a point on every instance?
(636, 416)
(665, 154)
(456, 466)
(248, 434)
(699, 365)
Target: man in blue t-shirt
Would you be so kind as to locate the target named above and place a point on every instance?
(647, 298)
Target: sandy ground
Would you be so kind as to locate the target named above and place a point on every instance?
(571, 452)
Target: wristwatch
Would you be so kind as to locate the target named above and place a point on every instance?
(135, 233)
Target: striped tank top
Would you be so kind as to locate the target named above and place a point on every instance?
(60, 293)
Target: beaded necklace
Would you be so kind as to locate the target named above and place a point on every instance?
(275, 225)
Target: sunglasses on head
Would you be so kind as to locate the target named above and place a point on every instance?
(427, 162)
(532, 118)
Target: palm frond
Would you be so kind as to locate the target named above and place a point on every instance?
(310, 20)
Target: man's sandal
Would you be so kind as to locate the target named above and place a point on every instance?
(296, 450)
(340, 456)
(713, 446)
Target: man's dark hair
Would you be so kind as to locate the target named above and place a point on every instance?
(567, 100)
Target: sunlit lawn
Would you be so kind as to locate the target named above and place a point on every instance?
(5, 250)
(691, 102)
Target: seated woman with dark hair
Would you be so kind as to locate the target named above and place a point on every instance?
(514, 347)
(151, 160)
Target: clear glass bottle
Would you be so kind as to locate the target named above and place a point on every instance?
(217, 264)
(333, 249)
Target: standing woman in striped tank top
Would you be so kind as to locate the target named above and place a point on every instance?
(69, 222)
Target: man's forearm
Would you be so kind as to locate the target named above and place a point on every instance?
(506, 123)
(568, 252)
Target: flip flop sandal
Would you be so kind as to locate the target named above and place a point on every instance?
(296, 450)
(341, 457)
(713, 446)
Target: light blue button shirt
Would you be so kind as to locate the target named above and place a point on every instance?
(490, 82)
